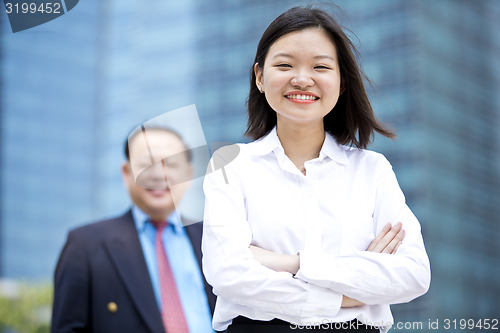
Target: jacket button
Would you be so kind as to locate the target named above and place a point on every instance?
(112, 307)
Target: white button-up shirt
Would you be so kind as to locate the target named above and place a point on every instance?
(329, 216)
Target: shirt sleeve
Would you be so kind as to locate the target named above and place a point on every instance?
(376, 278)
(229, 266)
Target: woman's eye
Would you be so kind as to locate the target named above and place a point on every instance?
(322, 67)
(284, 66)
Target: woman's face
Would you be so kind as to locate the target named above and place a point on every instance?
(301, 76)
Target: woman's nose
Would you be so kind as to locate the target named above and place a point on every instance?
(302, 80)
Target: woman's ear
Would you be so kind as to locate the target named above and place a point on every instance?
(259, 80)
(342, 85)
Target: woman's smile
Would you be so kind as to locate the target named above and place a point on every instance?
(301, 97)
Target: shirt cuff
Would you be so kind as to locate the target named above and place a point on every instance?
(321, 303)
(309, 262)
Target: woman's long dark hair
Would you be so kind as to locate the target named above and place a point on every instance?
(351, 122)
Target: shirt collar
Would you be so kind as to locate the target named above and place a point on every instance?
(267, 143)
(140, 219)
(333, 150)
(330, 148)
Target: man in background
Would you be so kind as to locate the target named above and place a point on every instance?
(140, 272)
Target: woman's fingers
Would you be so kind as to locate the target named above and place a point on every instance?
(396, 248)
(379, 237)
(388, 239)
(394, 243)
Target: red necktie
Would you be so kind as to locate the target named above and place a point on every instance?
(171, 307)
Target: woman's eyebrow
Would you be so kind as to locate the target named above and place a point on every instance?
(324, 57)
(287, 55)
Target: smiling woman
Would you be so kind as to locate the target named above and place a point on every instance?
(301, 78)
(302, 230)
(351, 121)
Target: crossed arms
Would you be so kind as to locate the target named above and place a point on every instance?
(387, 241)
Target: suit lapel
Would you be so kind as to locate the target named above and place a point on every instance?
(125, 252)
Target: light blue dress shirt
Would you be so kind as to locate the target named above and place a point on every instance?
(185, 268)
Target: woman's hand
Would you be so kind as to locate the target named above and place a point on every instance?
(348, 302)
(388, 240)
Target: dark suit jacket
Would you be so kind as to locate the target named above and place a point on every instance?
(103, 263)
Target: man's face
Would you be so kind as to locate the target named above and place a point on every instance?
(158, 172)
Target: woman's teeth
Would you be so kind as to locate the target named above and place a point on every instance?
(309, 97)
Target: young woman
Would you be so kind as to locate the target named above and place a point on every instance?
(305, 228)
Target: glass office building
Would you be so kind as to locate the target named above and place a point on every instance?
(73, 88)
(47, 111)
